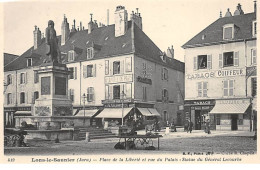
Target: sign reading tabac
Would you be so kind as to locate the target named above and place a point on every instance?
(217, 74)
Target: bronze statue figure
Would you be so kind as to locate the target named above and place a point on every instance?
(52, 41)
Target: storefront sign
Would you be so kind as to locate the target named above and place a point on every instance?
(216, 74)
(24, 109)
(119, 78)
(144, 80)
(234, 101)
(199, 102)
(251, 71)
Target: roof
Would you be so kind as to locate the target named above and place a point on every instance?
(105, 44)
(213, 34)
(8, 58)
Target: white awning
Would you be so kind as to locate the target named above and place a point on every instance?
(23, 113)
(88, 113)
(113, 113)
(145, 111)
(154, 112)
(230, 108)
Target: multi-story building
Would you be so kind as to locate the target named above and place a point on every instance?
(220, 73)
(109, 65)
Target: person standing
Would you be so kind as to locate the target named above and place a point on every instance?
(190, 126)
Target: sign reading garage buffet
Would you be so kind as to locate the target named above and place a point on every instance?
(217, 74)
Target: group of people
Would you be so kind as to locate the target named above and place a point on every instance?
(188, 126)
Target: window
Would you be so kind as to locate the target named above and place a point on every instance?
(217, 119)
(254, 28)
(89, 53)
(9, 79)
(165, 96)
(254, 86)
(116, 92)
(228, 32)
(22, 78)
(165, 116)
(164, 74)
(22, 98)
(228, 86)
(229, 59)
(144, 93)
(35, 96)
(144, 70)
(202, 89)
(90, 94)
(71, 74)
(128, 63)
(128, 88)
(116, 67)
(202, 62)
(253, 56)
(36, 77)
(71, 93)
(9, 98)
(89, 70)
(29, 62)
(71, 55)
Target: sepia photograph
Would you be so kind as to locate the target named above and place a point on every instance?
(159, 81)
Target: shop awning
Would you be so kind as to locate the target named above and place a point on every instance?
(23, 113)
(148, 112)
(154, 112)
(230, 108)
(113, 113)
(88, 113)
(74, 111)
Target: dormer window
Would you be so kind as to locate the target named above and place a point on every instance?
(71, 55)
(90, 53)
(254, 29)
(29, 62)
(163, 57)
(228, 31)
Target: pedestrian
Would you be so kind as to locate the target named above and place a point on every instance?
(190, 126)
(207, 130)
(186, 126)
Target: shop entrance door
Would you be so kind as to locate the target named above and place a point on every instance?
(197, 120)
(234, 122)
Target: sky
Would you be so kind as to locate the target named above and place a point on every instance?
(166, 22)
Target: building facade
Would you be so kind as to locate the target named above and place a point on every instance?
(220, 63)
(115, 70)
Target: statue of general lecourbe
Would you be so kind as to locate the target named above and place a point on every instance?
(52, 50)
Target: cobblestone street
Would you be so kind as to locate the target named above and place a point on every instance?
(230, 142)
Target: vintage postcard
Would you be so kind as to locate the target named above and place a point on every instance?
(129, 82)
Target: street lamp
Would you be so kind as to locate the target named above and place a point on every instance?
(84, 100)
(123, 96)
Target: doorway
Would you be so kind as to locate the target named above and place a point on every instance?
(197, 120)
(234, 122)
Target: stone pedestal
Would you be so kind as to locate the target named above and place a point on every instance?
(53, 99)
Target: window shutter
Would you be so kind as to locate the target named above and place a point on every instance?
(122, 67)
(122, 89)
(94, 70)
(19, 78)
(162, 95)
(225, 87)
(6, 99)
(13, 98)
(231, 87)
(253, 56)
(236, 59)
(195, 64)
(75, 73)
(88, 98)
(209, 61)
(25, 78)
(199, 89)
(110, 92)
(92, 93)
(26, 97)
(220, 61)
(205, 89)
(106, 67)
(32, 98)
(106, 92)
(84, 71)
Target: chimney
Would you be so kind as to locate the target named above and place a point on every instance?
(65, 30)
(170, 52)
(73, 29)
(228, 13)
(136, 17)
(107, 17)
(220, 14)
(80, 26)
(239, 10)
(37, 37)
(121, 21)
(255, 7)
(90, 24)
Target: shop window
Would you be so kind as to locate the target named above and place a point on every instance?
(144, 93)
(71, 94)
(90, 94)
(253, 56)
(22, 98)
(254, 86)
(9, 98)
(202, 89)
(9, 79)
(116, 67)
(228, 86)
(165, 95)
(116, 92)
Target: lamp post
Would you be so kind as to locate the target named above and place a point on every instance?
(123, 96)
(84, 100)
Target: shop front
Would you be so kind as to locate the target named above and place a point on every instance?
(197, 111)
(232, 114)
